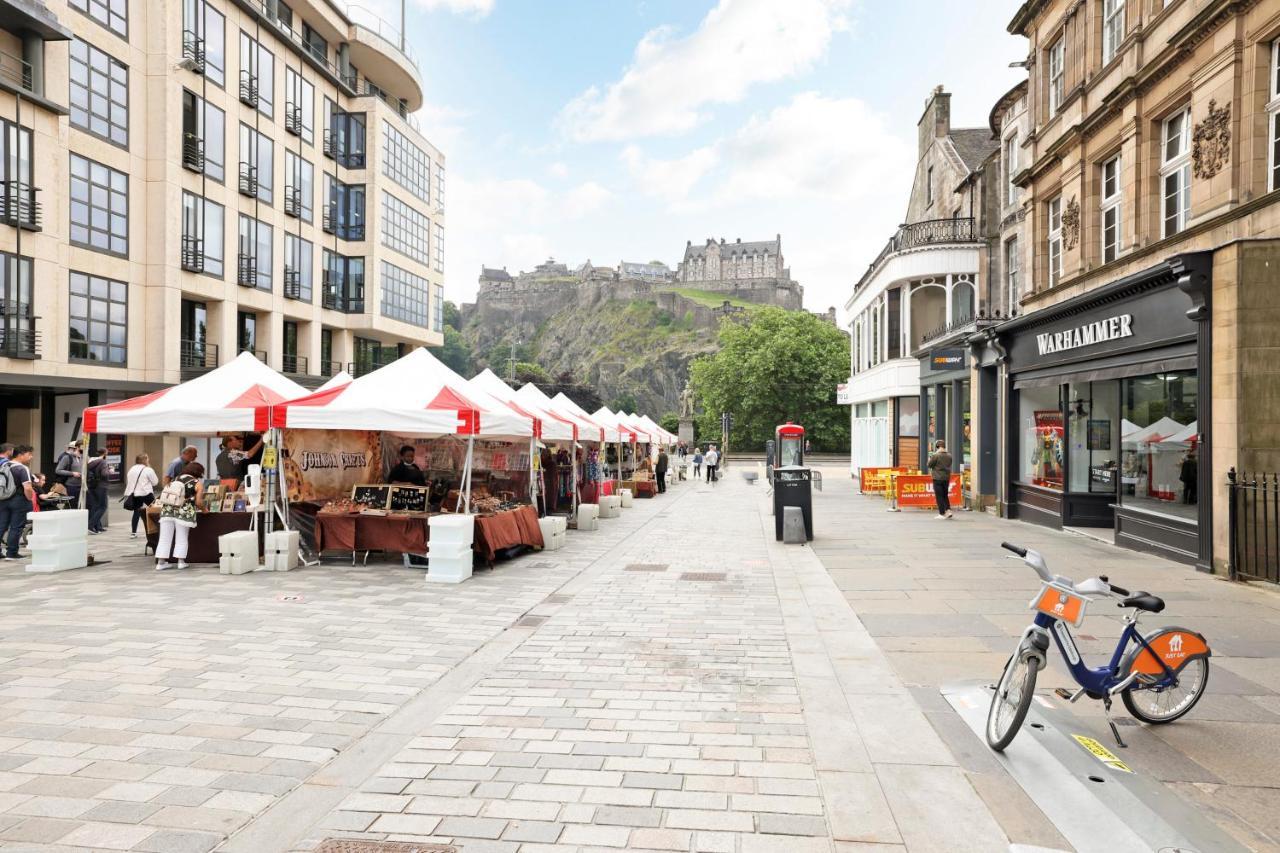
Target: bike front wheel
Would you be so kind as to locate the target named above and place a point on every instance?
(1011, 701)
(1158, 705)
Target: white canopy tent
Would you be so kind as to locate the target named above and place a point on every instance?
(339, 378)
(1158, 431)
(609, 432)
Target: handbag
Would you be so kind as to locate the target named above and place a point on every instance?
(129, 501)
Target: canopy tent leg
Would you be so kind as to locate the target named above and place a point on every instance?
(464, 492)
(533, 473)
(573, 480)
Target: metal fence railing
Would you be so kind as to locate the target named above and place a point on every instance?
(1253, 519)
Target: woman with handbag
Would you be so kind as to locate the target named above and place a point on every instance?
(139, 491)
(178, 504)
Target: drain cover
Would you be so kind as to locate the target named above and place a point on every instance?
(702, 576)
(531, 621)
(646, 567)
(354, 845)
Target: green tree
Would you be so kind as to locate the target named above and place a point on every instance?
(670, 422)
(527, 371)
(625, 402)
(455, 353)
(452, 316)
(779, 366)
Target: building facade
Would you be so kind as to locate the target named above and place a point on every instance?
(1138, 372)
(186, 181)
(721, 261)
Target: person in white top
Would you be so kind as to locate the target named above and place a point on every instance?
(712, 463)
(139, 490)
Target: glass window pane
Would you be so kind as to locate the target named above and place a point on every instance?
(1041, 458)
(1159, 442)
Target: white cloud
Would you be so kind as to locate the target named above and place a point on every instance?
(474, 8)
(670, 179)
(558, 170)
(671, 79)
(586, 198)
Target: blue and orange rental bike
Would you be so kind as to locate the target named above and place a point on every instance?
(1159, 675)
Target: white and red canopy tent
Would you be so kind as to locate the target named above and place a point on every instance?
(415, 395)
(587, 429)
(339, 378)
(663, 437)
(608, 432)
(236, 397)
(643, 433)
(625, 432)
(549, 425)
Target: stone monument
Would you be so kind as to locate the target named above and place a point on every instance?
(685, 432)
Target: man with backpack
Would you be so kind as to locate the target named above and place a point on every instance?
(67, 473)
(95, 483)
(16, 495)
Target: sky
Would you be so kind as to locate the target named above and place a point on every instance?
(617, 130)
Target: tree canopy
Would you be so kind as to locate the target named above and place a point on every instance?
(454, 352)
(774, 367)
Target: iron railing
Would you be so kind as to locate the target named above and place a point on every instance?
(335, 148)
(295, 364)
(247, 270)
(19, 337)
(293, 201)
(971, 323)
(192, 253)
(926, 233)
(293, 118)
(248, 180)
(365, 366)
(329, 369)
(193, 50)
(345, 294)
(248, 89)
(192, 152)
(292, 283)
(16, 71)
(1253, 520)
(19, 206)
(197, 356)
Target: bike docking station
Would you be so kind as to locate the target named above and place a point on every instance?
(1098, 800)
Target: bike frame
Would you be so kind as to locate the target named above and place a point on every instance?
(1100, 681)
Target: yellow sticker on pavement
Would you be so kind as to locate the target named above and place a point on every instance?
(1101, 753)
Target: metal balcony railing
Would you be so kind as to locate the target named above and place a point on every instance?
(330, 368)
(19, 206)
(19, 341)
(293, 119)
(364, 366)
(192, 152)
(959, 327)
(248, 180)
(256, 353)
(197, 356)
(292, 283)
(16, 71)
(247, 270)
(329, 218)
(248, 89)
(192, 253)
(193, 50)
(335, 148)
(916, 234)
(343, 294)
(295, 364)
(293, 201)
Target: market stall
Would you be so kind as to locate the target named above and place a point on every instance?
(624, 460)
(235, 398)
(593, 480)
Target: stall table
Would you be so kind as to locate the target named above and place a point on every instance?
(202, 541)
(506, 529)
(343, 531)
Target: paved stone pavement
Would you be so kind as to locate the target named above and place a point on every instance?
(945, 605)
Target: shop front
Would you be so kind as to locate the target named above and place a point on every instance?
(1108, 410)
(944, 402)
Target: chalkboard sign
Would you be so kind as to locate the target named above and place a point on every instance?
(373, 496)
(408, 498)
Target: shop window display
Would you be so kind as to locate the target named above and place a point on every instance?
(1093, 410)
(1159, 438)
(1041, 428)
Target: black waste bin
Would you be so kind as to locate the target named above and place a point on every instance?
(792, 486)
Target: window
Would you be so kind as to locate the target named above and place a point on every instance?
(405, 163)
(1111, 197)
(1011, 168)
(17, 325)
(98, 314)
(404, 229)
(203, 136)
(299, 105)
(253, 262)
(202, 235)
(289, 361)
(1057, 87)
(404, 295)
(344, 138)
(326, 353)
(437, 309)
(344, 213)
(247, 332)
(315, 43)
(284, 16)
(1093, 436)
(1012, 274)
(112, 14)
(204, 39)
(257, 75)
(299, 186)
(439, 247)
(928, 186)
(256, 178)
(343, 283)
(193, 328)
(1273, 117)
(297, 268)
(99, 207)
(1175, 173)
(99, 93)
(439, 184)
(1112, 28)
(1055, 241)
(17, 192)
(1043, 445)
(1159, 443)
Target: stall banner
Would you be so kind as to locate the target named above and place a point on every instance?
(115, 457)
(322, 464)
(916, 490)
(867, 478)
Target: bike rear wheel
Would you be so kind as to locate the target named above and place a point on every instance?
(1164, 705)
(1010, 702)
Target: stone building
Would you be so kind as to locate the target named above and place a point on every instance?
(181, 182)
(652, 271)
(720, 261)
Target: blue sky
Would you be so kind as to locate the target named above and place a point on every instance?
(615, 130)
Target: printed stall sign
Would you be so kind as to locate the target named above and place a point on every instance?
(115, 457)
(916, 490)
(869, 481)
(322, 464)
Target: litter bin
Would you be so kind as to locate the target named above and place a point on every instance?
(792, 486)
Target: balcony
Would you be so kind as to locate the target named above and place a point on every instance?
(256, 353)
(19, 337)
(343, 294)
(192, 254)
(335, 148)
(247, 270)
(293, 119)
(292, 283)
(19, 206)
(193, 51)
(192, 153)
(958, 330)
(249, 89)
(332, 223)
(293, 201)
(915, 235)
(294, 364)
(196, 357)
(329, 218)
(365, 366)
(16, 71)
(248, 180)
(330, 369)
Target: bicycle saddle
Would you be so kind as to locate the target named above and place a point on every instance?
(1144, 601)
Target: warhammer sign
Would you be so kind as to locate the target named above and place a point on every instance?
(1110, 329)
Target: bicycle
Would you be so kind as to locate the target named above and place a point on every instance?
(1160, 676)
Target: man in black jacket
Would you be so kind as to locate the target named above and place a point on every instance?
(660, 471)
(940, 468)
(67, 472)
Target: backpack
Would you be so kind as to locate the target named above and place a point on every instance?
(8, 485)
(174, 494)
(93, 478)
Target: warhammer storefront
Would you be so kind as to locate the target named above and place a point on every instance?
(1107, 420)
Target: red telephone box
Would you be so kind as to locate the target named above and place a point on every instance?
(789, 445)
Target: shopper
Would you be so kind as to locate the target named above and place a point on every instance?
(95, 483)
(185, 458)
(660, 471)
(139, 491)
(178, 515)
(697, 463)
(67, 472)
(16, 495)
(713, 463)
(940, 469)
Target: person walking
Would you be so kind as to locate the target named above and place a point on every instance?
(16, 496)
(95, 484)
(940, 469)
(697, 463)
(67, 472)
(178, 515)
(713, 463)
(660, 470)
(139, 491)
(1189, 474)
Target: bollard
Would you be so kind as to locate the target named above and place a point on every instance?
(793, 525)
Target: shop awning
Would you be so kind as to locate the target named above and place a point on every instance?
(236, 397)
(1100, 370)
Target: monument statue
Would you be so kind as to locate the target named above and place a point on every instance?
(686, 401)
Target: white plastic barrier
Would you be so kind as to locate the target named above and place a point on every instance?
(449, 554)
(625, 497)
(59, 540)
(281, 551)
(588, 517)
(610, 506)
(238, 552)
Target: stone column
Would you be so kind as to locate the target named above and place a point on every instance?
(1193, 271)
(33, 55)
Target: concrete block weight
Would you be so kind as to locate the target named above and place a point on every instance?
(793, 525)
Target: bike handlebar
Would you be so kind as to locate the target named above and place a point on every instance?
(1009, 546)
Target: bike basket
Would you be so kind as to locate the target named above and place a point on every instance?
(1060, 603)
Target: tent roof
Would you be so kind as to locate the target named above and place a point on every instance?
(339, 378)
(488, 386)
(1157, 431)
(585, 428)
(1185, 435)
(238, 396)
(608, 432)
(415, 395)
